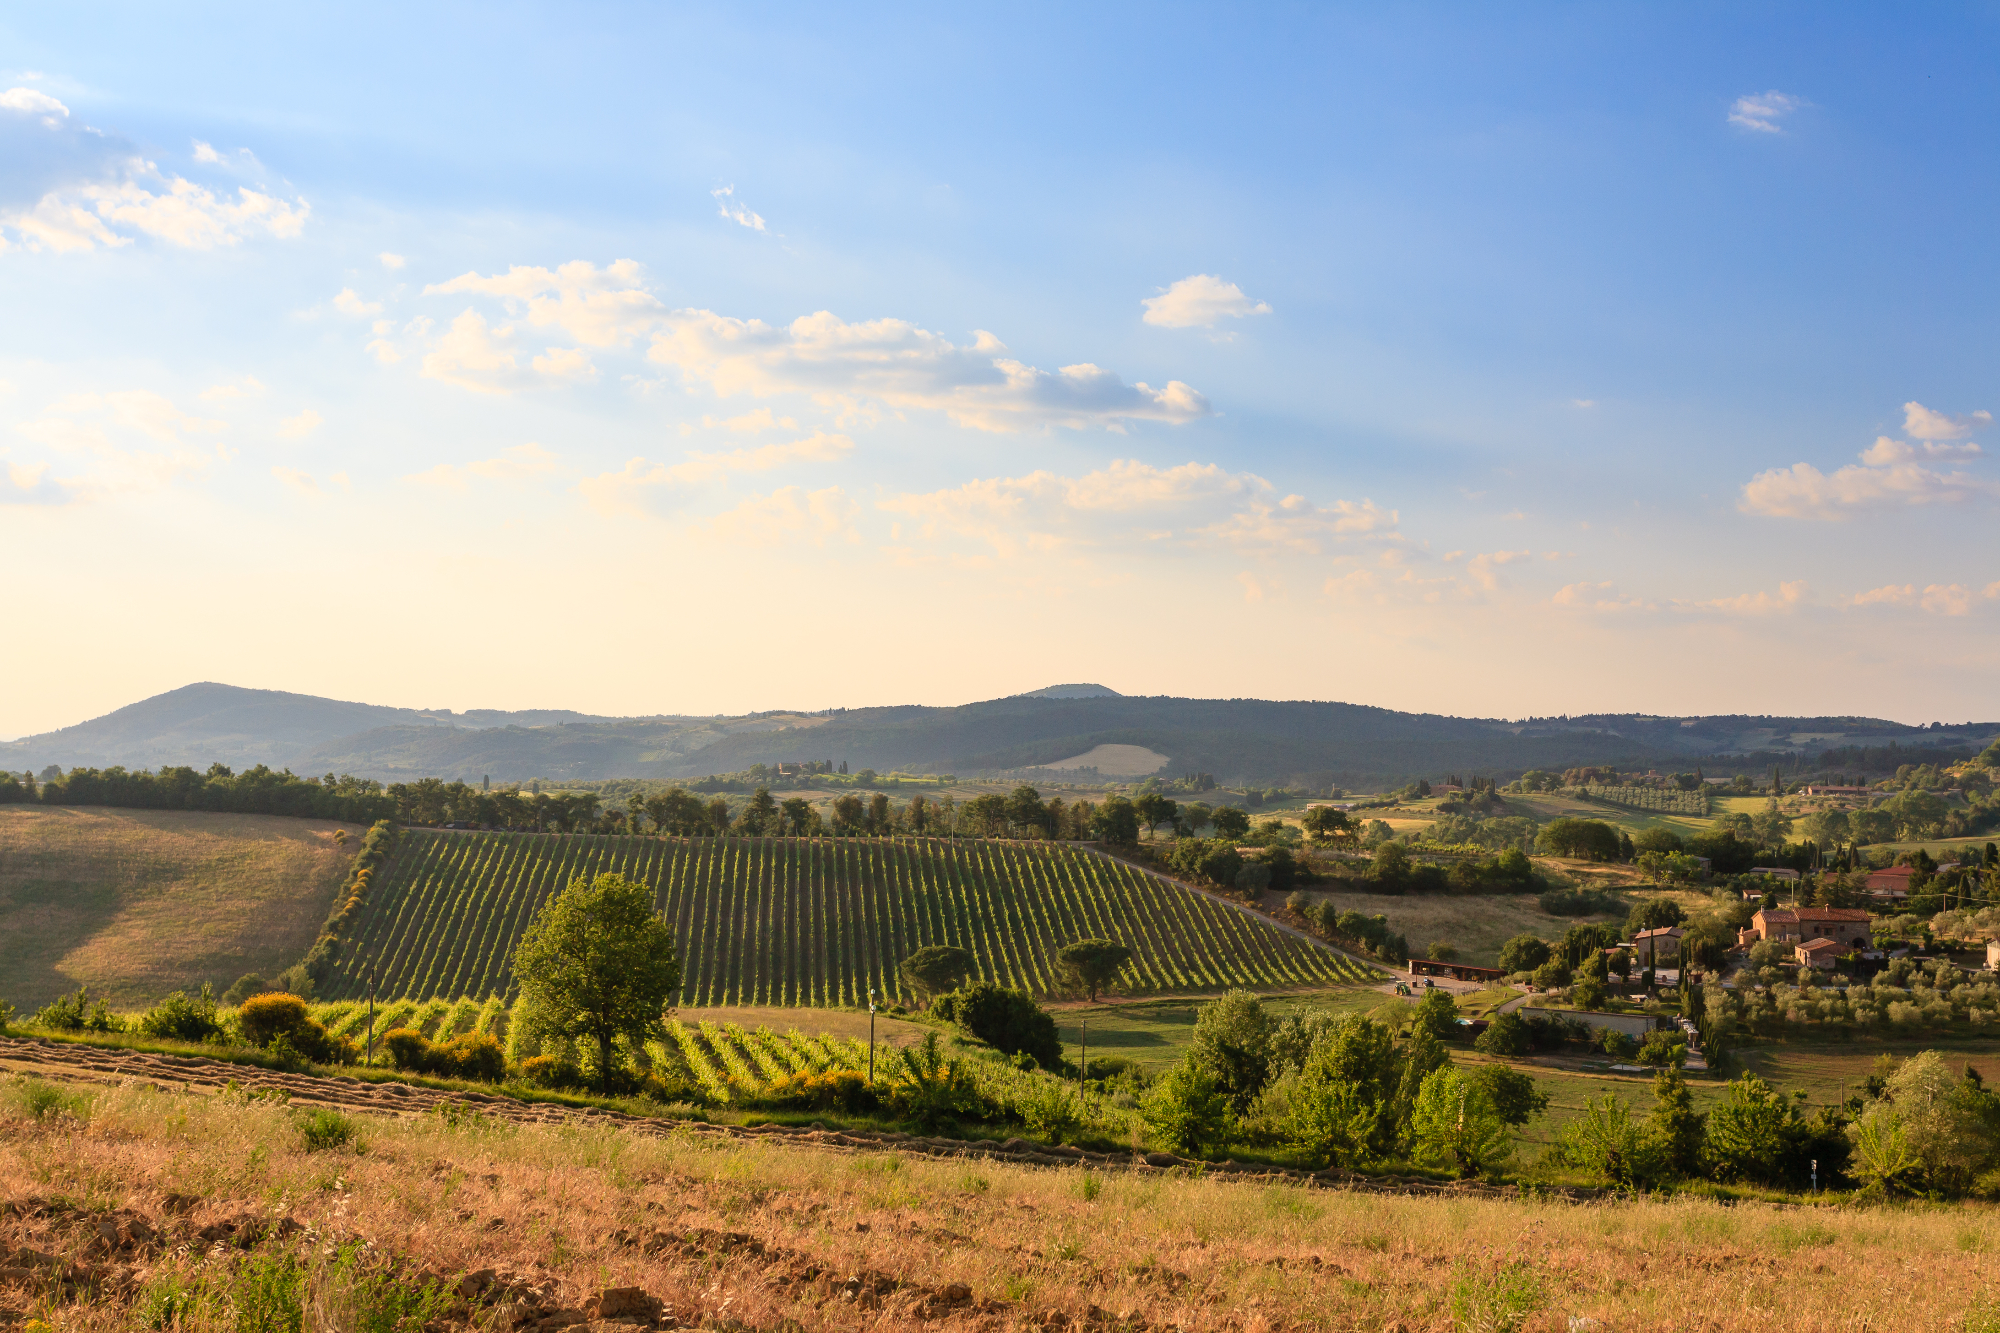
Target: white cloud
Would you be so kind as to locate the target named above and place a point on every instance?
(349, 302)
(384, 351)
(139, 198)
(391, 261)
(474, 356)
(36, 103)
(512, 466)
(31, 484)
(305, 485)
(205, 152)
(243, 388)
(1920, 423)
(598, 307)
(1133, 505)
(1944, 599)
(1198, 302)
(1889, 474)
(300, 426)
(789, 515)
(733, 209)
(1763, 111)
(1789, 596)
(132, 440)
(1482, 567)
(626, 491)
(903, 366)
(751, 422)
(1598, 597)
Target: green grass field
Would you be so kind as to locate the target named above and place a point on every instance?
(782, 921)
(1477, 925)
(136, 903)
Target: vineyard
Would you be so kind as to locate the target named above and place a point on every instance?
(806, 921)
(1654, 800)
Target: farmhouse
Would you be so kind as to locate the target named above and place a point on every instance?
(1659, 945)
(1844, 926)
(1818, 953)
(1891, 883)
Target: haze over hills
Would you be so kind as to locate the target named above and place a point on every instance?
(1237, 740)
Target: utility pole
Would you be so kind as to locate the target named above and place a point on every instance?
(1083, 1069)
(371, 1013)
(871, 1034)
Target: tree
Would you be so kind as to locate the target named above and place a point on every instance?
(1507, 1034)
(1231, 1041)
(1676, 1130)
(1117, 821)
(1588, 839)
(1663, 840)
(1652, 913)
(1455, 1125)
(878, 813)
(600, 965)
(1187, 1108)
(1025, 810)
(936, 968)
(1523, 953)
(847, 813)
(1093, 964)
(1436, 1014)
(1328, 827)
(1154, 810)
(1514, 1096)
(1442, 952)
(1551, 975)
(799, 815)
(1008, 1020)
(1230, 823)
(1392, 866)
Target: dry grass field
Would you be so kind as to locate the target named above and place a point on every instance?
(202, 1213)
(1476, 924)
(136, 903)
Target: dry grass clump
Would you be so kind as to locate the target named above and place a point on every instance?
(769, 1235)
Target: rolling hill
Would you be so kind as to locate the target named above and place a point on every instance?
(136, 903)
(1294, 743)
(792, 921)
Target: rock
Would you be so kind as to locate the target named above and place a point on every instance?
(474, 1285)
(957, 1293)
(624, 1302)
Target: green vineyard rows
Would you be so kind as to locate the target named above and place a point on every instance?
(795, 921)
(1653, 799)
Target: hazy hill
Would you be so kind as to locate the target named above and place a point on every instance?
(1237, 740)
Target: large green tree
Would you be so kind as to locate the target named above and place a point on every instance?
(1093, 964)
(936, 968)
(598, 964)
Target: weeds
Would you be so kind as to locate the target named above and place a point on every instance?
(325, 1130)
(1090, 1186)
(39, 1100)
(269, 1295)
(171, 1298)
(1500, 1303)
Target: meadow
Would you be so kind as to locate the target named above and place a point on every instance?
(751, 1233)
(136, 903)
(790, 921)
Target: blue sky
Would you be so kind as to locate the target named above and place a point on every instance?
(1484, 361)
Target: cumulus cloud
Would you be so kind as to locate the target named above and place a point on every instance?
(1762, 111)
(1788, 597)
(1602, 596)
(732, 208)
(131, 440)
(855, 367)
(1921, 423)
(1944, 599)
(511, 466)
(74, 189)
(349, 302)
(1199, 301)
(304, 484)
(896, 363)
(627, 490)
(752, 422)
(300, 426)
(32, 484)
(391, 261)
(1891, 474)
(790, 515)
(474, 355)
(1134, 505)
(243, 388)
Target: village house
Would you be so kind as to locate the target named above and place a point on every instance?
(1659, 945)
(1776, 872)
(1818, 953)
(1844, 926)
(1893, 882)
(1993, 955)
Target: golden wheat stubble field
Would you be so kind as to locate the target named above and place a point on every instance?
(136, 903)
(763, 1235)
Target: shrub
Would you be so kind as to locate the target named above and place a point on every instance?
(1051, 1109)
(41, 1100)
(269, 1020)
(470, 1055)
(1507, 1034)
(324, 1129)
(182, 1017)
(836, 1090)
(75, 1013)
(244, 987)
(1616, 1044)
(1007, 1020)
(929, 1087)
(550, 1071)
(1188, 1110)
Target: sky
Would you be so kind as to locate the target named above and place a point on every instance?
(1495, 361)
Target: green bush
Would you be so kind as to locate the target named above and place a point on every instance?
(1188, 1110)
(75, 1013)
(843, 1090)
(1008, 1020)
(41, 1100)
(324, 1130)
(268, 1020)
(470, 1055)
(1507, 1034)
(183, 1017)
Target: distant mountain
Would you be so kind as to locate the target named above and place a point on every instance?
(1236, 740)
(1072, 692)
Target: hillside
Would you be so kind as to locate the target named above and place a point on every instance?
(810, 921)
(1262, 742)
(137, 903)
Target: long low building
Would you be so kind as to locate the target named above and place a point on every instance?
(1847, 926)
